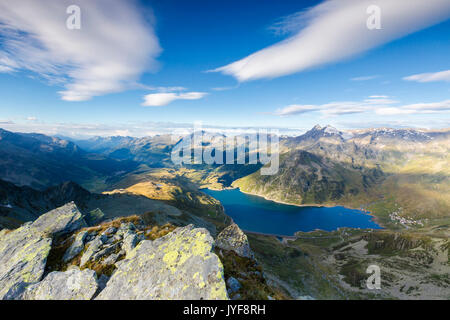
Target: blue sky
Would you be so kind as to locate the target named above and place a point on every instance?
(172, 61)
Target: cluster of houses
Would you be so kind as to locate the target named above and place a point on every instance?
(405, 221)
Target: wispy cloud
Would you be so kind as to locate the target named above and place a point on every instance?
(335, 30)
(225, 88)
(291, 23)
(338, 108)
(397, 122)
(430, 77)
(378, 104)
(164, 98)
(417, 108)
(364, 78)
(6, 69)
(114, 46)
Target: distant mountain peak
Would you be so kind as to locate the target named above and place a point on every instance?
(408, 134)
(331, 129)
(318, 131)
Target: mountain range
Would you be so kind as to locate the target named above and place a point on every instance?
(391, 167)
(376, 168)
(396, 174)
(372, 168)
(41, 161)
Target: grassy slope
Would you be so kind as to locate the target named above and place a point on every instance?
(171, 186)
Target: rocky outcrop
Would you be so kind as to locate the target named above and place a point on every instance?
(93, 247)
(23, 255)
(24, 251)
(76, 247)
(233, 238)
(179, 265)
(110, 245)
(70, 285)
(129, 242)
(59, 221)
(114, 260)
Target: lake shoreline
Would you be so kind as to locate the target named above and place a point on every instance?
(374, 217)
(292, 235)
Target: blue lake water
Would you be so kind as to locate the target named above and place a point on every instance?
(253, 213)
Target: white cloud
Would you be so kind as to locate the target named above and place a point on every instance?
(6, 64)
(430, 77)
(297, 109)
(6, 69)
(336, 30)
(164, 98)
(364, 78)
(394, 111)
(339, 107)
(114, 46)
(380, 104)
(290, 24)
(398, 122)
(417, 108)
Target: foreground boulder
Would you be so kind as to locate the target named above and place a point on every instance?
(60, 221)
(120, 259)
(72, 284)
(233, 238)
(24, 251)
(23, 255)
(177, 266)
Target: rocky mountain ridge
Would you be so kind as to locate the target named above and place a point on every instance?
(58, 257)
(179, 265)
(40, 161)
(405, 168)
(22, 204)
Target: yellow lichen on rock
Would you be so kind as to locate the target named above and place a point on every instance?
(180, 265)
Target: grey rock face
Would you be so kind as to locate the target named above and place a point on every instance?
(102, 281)
(116, 238)
(76, 247)
(24, 251)
(130, 240)
(16, 291)
(111, 259)
(110, 231)
(233, 238)
(179, 265)
(107, 250)
(233, 285)
(70, 285)
(61, 220)
(125, 227)
(3, 232)
(93, 247)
